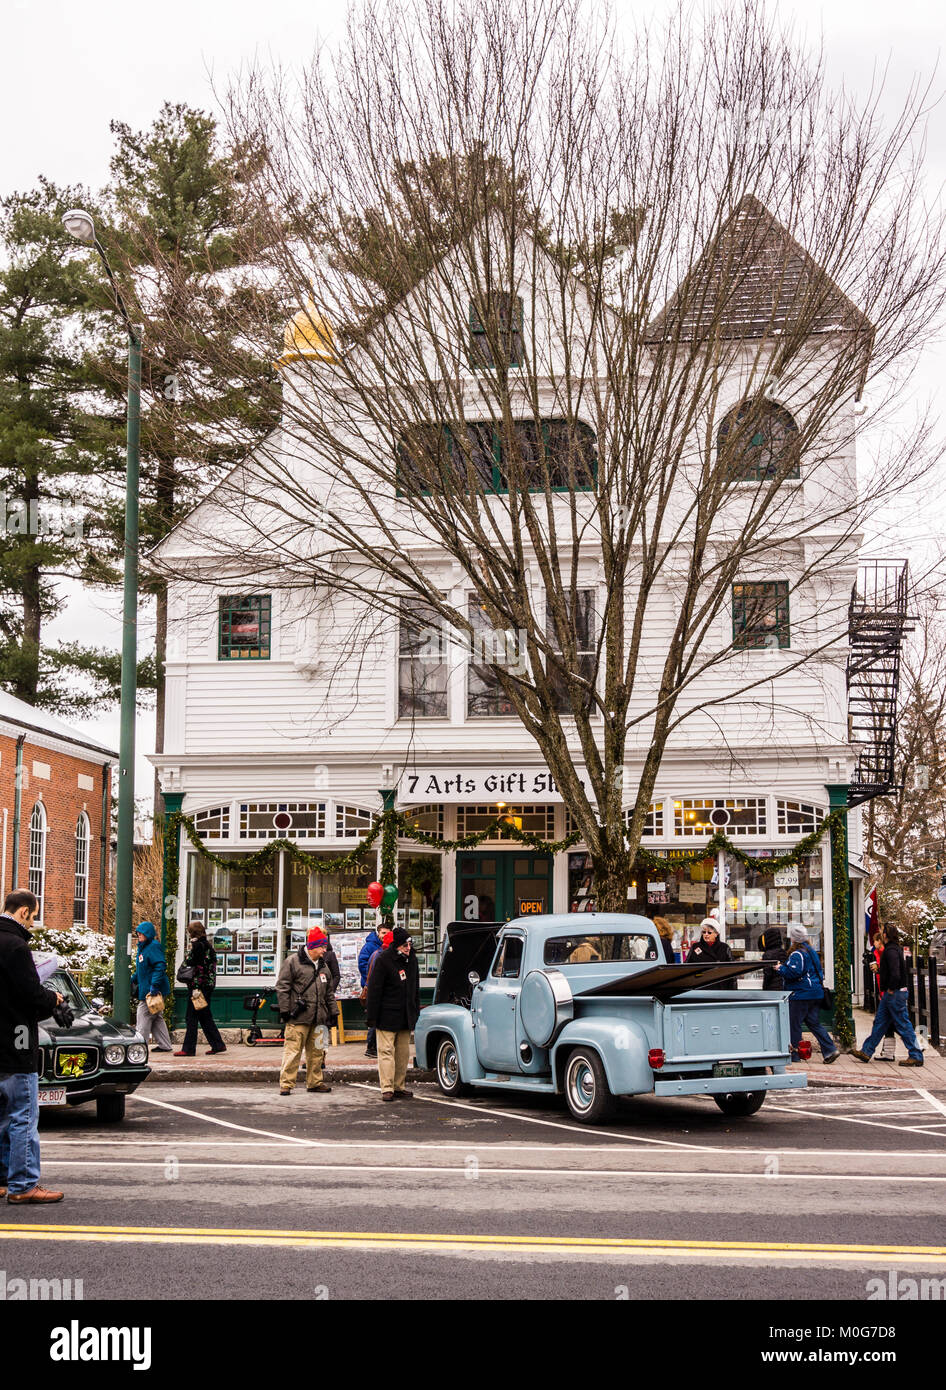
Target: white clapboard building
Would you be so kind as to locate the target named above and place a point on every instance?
(274, 731)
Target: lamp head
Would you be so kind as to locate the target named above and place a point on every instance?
(79, 225)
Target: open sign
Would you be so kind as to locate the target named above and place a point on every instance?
(531, 905)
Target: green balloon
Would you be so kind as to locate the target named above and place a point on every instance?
(390, 896)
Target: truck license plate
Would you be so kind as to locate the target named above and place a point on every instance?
(727, 1069)
(54, 1097)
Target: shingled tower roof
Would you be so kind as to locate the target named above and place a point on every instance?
(753, 280)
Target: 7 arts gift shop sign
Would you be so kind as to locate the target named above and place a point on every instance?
(481, 784)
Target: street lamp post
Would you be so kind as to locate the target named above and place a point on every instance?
(80, 225)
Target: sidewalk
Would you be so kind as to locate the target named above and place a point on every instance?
(349, 1063)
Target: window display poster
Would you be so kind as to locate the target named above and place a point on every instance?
(428, 919)
(787, 877)
(296, 939)
(244, 940)
(346, 948)
(814, 867)
(197, 914)
(413, 919)
(316, 915)
(293, 916)
(214, 916)
(251, 963)
(234, 965)
(692, 892)
(268, 914)
(369, 919)
(400, 917)
(267, 964)
(234, 914)
(267, 938)
(334, 921)
(353, 919)
(657, 892)
(251, 914)
(430, 942)
(223, 939)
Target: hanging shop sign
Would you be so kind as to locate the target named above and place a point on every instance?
(500, 782)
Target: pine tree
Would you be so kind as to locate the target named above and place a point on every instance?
(186, 261)
(58, 448)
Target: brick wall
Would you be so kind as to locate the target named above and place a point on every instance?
(67, 784)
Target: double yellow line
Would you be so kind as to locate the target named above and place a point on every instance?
(415, 1242)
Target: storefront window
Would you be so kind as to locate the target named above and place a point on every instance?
(540, 820)
(418, 906)
(239, 911)
(694, 815)
(757, 900)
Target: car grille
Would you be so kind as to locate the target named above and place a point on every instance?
(74, 1061)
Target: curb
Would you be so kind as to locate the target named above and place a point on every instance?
(236, 1075)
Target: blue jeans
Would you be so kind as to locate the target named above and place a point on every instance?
(892, 1010)
(19, 1131)
(804, 1013)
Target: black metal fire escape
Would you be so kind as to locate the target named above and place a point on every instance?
(878, 621)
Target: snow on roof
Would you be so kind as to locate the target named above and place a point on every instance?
(27, 716)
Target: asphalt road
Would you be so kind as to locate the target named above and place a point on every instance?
(235, 1192)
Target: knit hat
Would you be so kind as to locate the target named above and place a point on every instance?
(710, 922)
(797, 933)
(399, 936)
(386, 938)
(316, 937)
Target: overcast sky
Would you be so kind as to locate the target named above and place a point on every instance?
(72, 67)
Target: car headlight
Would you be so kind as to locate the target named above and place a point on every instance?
(137, 1053)
(114, 1055)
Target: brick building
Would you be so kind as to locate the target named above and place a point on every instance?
(55, 789)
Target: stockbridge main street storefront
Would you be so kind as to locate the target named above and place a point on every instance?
(488, 844)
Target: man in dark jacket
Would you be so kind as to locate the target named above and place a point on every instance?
(774, 954)
(892, 1009)
(305, 992)
(393, 1006)
(23, 1002)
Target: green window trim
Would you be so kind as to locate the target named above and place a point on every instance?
(509, 327)
(760, 616)
(759, 457)
(243, 618)
(492, 449)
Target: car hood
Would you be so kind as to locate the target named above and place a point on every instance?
(91, 1027)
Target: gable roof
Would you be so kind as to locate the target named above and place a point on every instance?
(753, 280)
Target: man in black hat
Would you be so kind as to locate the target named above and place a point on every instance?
(392, 1007)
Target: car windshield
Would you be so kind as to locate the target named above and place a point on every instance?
(583, 949)
(69, 990)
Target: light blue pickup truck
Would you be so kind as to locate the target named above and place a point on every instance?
(585, 1004)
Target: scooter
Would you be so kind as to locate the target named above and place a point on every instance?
(256, 1037)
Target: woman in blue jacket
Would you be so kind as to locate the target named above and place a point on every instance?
(151, 976)
(803, 975)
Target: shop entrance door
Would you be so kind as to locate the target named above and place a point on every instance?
(492, 887)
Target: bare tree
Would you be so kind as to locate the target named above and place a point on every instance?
(603, 318)
(905, 832)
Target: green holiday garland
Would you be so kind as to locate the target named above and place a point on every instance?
(393, 823)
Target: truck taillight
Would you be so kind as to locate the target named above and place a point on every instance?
(655, 1058)
(804, 1049)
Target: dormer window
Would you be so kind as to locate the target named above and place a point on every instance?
(496, 333)
(758, 441)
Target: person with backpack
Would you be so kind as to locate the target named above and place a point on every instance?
(803, 975)
(892, 1009)
(199, 973)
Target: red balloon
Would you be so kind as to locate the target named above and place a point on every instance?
(375, 894)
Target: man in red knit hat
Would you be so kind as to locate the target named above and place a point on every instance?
(307, 1008)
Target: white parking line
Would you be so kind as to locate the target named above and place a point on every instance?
(227, 1124)
(482, 1171)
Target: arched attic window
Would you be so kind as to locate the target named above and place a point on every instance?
(758, 441)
